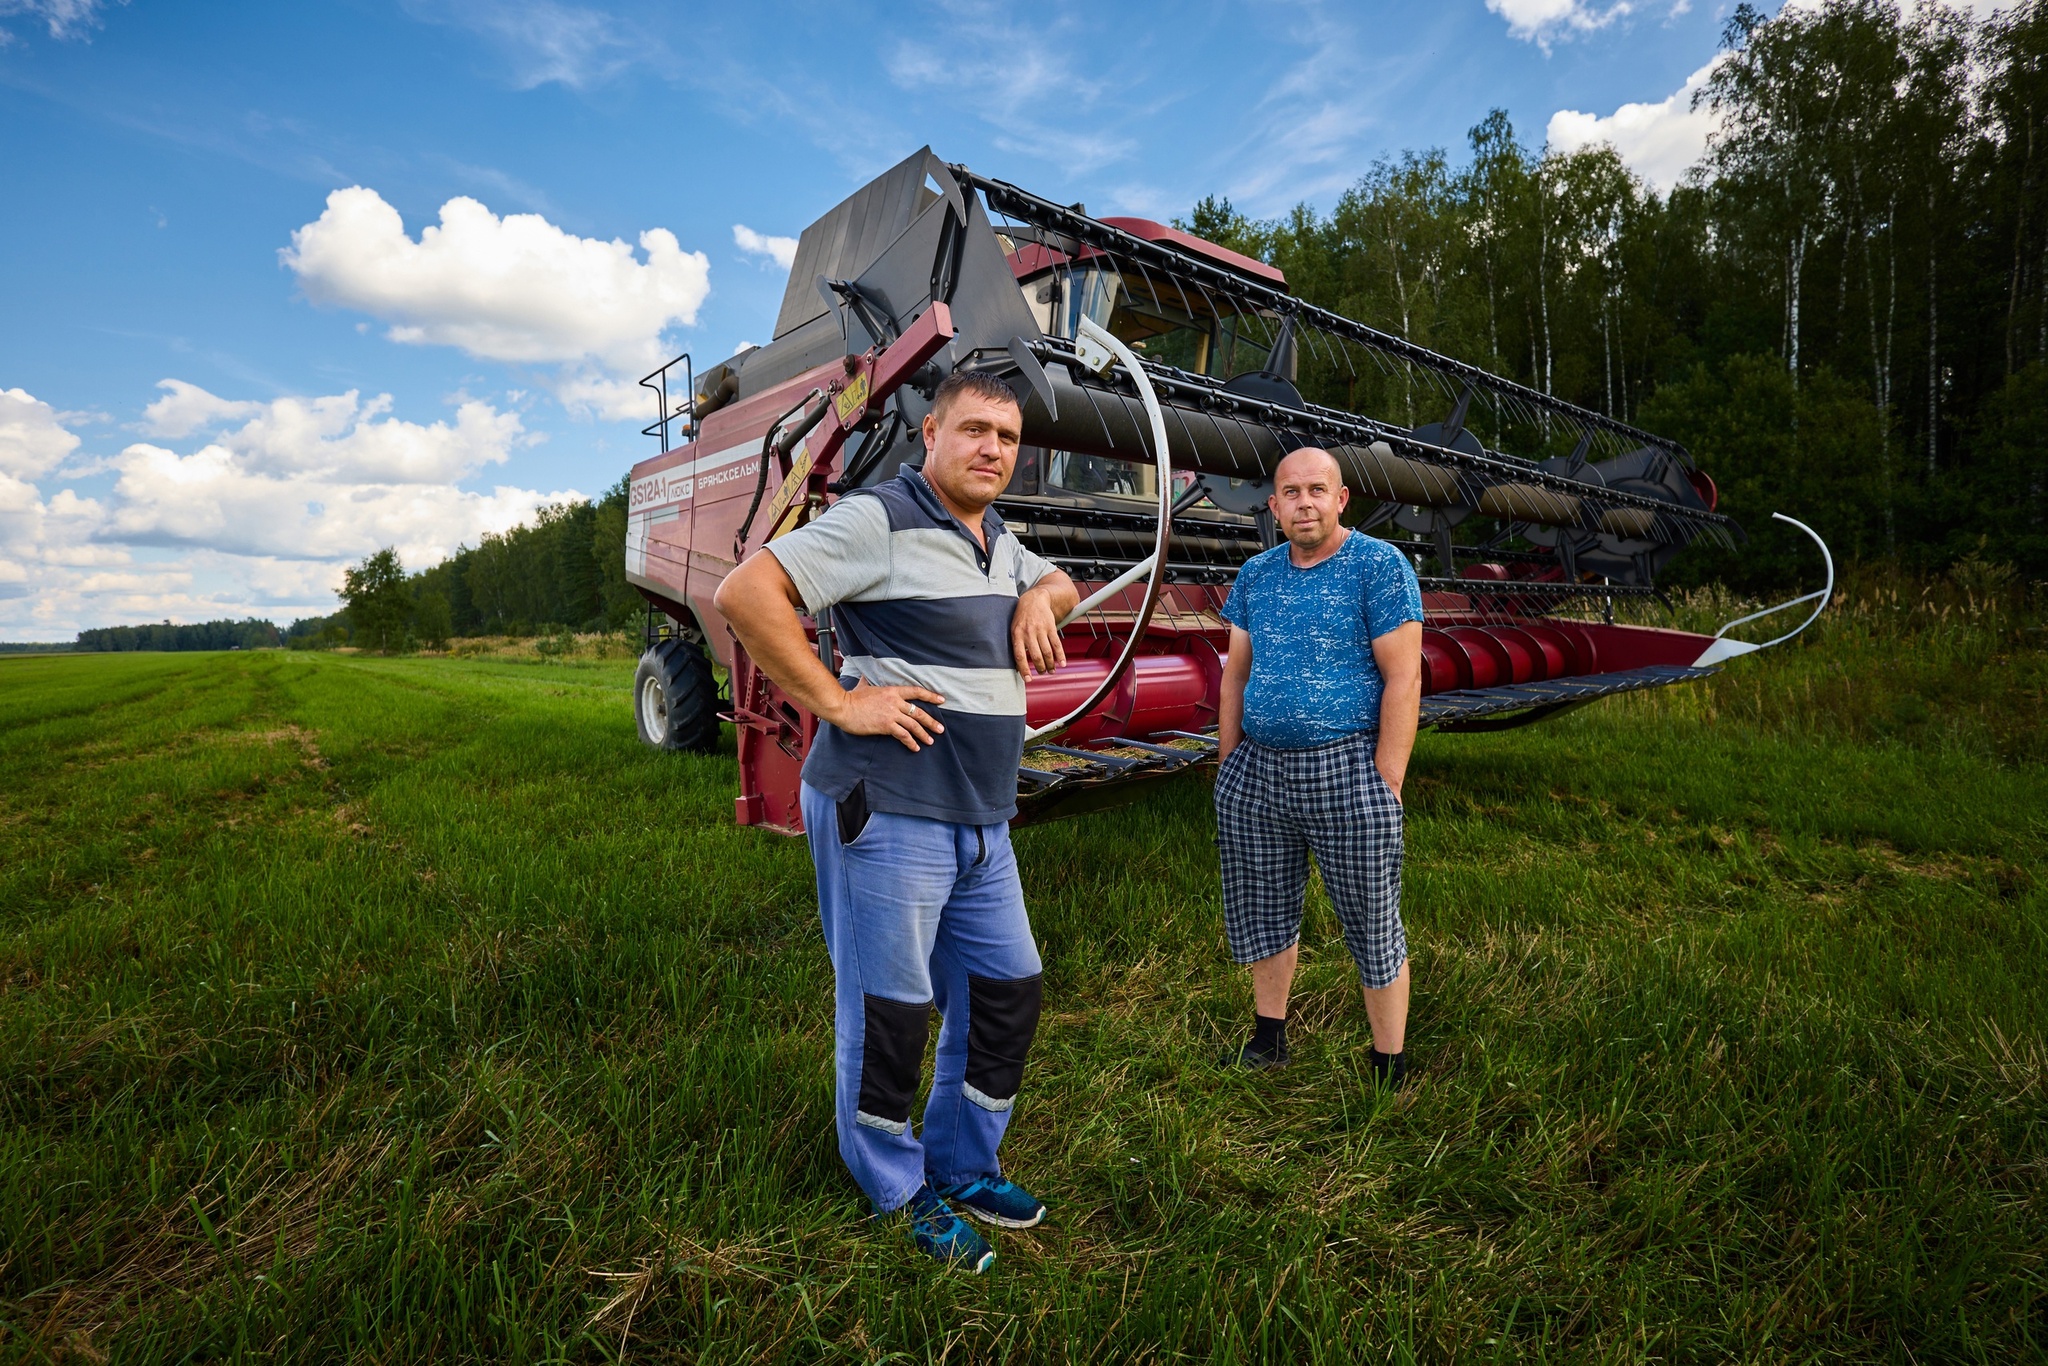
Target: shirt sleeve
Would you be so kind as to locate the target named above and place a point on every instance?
(1236, 610)
(1031, 568)
(841, 555)
(1395, 598)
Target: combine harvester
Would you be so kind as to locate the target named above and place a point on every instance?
(1162, 378)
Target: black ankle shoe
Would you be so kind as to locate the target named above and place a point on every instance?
(1256, 1060)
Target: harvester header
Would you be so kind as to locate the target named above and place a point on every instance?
(1525, 516)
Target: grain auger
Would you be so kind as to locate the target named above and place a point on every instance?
(1163, 377)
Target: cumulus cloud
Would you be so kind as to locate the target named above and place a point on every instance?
(780, 250)
(588, 392)
(323, 478)
(261, 517)
(516, 288)
(1541, 21)
(1662, 139)
(33, 441)
(187, 408)
(1658, 141)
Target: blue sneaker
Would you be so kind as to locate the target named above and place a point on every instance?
(997, 1201)
(945, 1235)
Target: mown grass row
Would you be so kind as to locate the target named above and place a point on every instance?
(410, 1009)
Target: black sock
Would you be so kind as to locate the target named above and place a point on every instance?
(1390, 1068)
(1269, 1036)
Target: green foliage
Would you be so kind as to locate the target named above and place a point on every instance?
(317, 633)
(432, 621)
(404, 1009)
(379, 602)
(556, 571)
(1872, 220)
(1215, 220)
(250, 634)
(622, 602)
(2008, 501)
(1806, 451)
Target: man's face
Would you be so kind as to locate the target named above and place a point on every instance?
(971, 449)
(1308, 497)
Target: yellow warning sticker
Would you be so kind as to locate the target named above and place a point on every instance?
(799, 473)
(853, 399)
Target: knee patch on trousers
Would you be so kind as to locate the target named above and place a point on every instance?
(890, 1060)
(1002, 1017)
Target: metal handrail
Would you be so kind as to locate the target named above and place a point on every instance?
(656, 382)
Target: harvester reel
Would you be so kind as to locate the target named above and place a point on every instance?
(1098, 350)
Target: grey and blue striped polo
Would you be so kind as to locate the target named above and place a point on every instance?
(916, 601)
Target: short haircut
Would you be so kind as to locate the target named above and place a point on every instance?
(973, 384)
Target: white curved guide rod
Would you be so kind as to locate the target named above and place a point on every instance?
(1099, 350)
(1723, 648)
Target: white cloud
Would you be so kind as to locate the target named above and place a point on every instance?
(1541, 21)
(587, 392)
(781, 250)
(33, 440)
(516, 288)
(187, 408)
(546, 42)
(1305, 134)
(1659, 141)
(323, 478)
(259, 519)
(1013, 68)
(63, 18)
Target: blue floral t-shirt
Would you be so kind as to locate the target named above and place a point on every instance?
(1313, 677)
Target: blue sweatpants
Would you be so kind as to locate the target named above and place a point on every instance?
(922, 914)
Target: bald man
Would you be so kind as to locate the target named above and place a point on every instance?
(1320, 699)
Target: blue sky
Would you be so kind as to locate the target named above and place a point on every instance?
(218, 385)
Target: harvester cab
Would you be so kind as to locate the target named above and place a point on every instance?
(1162, 378)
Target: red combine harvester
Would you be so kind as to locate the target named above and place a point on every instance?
(1163, 378)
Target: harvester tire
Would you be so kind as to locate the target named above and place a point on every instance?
(675, 697)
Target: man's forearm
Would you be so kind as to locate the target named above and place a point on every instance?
(1400, 711)
(781, 649)
(1229, 723)
(768, 626)
(1237, 672)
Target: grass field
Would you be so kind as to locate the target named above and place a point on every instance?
(408, 1009)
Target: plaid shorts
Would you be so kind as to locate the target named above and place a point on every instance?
(1273, 806)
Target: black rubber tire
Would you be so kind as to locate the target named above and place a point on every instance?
(675, 697)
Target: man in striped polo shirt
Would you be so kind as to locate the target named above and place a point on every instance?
(908, 791)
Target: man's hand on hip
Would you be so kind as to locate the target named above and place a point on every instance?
(1035, 632)
(871, 710)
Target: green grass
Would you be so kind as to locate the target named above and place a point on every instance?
(409, 1009)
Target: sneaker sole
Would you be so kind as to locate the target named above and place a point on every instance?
(999, 1221)
(987, 1260)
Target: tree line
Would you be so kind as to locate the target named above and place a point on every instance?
(251, 634)
(1842, 310)
(564, 571)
